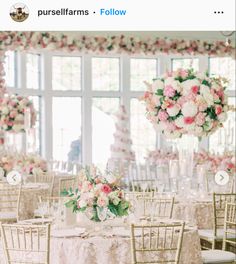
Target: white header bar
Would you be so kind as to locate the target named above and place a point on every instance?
(125, 15)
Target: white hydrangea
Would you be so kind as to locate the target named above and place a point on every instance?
(157, 84)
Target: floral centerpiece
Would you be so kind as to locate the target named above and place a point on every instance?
(7, 163)
(186, 102)
(12, 113)
(32, 164)
(97, 195)
(25, 164)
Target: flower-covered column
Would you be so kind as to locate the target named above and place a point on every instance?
(2, 74)
(2, 88)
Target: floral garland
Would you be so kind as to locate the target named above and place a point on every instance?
(186, 102)
(10, 40)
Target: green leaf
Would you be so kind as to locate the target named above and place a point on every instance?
(159, 92)
(205, 82)
(71, 203)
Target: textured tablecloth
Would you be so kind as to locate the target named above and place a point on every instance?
(110, 250)
(29, 199)
(198, 213)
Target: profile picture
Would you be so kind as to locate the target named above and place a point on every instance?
(19, 12)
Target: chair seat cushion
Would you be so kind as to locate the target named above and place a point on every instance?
(217, 256)
(8, 215)
(208, 233)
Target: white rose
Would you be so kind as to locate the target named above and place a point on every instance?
(17, 128)
(188, 84)
(19, 117)
(82, 203)
(208, 98)
(189, 109)
(175, 84)
(158, 84)
(5, 110)
(222, 117)
(173, 111)
(198, 131)
(204, 89)
(179, 122)
(190, 127)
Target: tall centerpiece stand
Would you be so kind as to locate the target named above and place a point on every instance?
(184, 105)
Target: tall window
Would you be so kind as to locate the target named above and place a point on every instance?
(77, 95)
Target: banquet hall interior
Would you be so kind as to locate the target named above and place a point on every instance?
(117, 147)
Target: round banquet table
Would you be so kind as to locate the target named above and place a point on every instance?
(196, 212)
(113, 249)
(72, 249)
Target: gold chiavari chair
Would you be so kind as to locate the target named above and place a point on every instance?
(26, 243)
(222, 256)
(66, 183)
(215, 235)
(159, 243)
(156, 207)
(9, 202)
(230, 226)
(46, 177)
(50, 203)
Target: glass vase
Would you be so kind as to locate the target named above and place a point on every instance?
(15, 142)
(186, 162)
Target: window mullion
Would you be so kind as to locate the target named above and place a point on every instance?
(47, 129)
(87, 110)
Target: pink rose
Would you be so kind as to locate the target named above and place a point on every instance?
(218, 109)
(183, 73)
(106, 189)
(188, 120)
(195, 89)
(202, 107)
(162, 115)
(169, 91)
(102, 201)
(200, 119)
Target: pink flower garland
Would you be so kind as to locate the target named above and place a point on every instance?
(10, 40)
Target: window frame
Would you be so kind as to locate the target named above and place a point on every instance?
(125, 94)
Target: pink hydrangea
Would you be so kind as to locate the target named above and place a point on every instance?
(169, 91)
(200, 119)
(162, 115)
